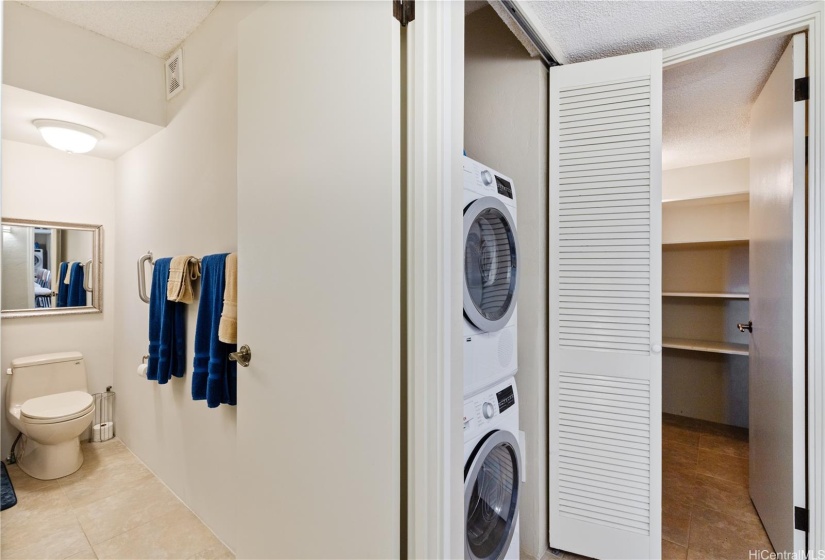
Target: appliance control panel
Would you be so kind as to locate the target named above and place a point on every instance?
(484, 408)
(482, 179)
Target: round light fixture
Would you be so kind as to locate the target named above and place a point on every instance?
(66, 136)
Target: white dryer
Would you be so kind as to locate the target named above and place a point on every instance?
(490, 277)
(492, 473)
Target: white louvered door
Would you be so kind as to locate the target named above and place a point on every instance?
(605, 307)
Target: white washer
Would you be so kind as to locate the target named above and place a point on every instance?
(490, 277)
(492, 473)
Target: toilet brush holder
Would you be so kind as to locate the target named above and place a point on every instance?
(103, 426)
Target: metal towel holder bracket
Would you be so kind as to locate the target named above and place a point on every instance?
(87, 275)
(141, 271)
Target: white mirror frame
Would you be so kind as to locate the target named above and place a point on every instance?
(97, 272)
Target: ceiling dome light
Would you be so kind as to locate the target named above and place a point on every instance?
(66, 136)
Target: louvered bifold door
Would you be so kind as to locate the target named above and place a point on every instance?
(605, 307)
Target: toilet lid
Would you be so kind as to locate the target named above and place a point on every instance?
(60, 406)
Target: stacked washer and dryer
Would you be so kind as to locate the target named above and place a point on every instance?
(492, 450)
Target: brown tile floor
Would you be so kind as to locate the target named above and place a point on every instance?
(113, 507)
(707, 512)
(706, 509)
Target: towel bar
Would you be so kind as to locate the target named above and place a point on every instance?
(141, 270)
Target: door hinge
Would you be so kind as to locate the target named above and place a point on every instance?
(801, 89)
(404, 11)
(800, 518)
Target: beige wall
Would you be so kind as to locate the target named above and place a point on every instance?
(18, 268)
(45, 184)
(711, 179)
(77, 245)
(708, 386)
(177, 194)
(505, 127)
(53, 57)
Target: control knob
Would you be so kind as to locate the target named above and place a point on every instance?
(487, 410)
(486, 177)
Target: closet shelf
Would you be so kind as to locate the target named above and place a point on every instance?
(705, 200)
(705, 244)
(724, 295)
(706, 346)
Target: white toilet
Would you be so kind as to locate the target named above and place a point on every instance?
(47, 399)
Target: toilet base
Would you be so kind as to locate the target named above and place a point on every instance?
(47, 462)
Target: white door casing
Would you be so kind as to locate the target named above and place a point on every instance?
(318, 419)
(777, 302)
(605, 307)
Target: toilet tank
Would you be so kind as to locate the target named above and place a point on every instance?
(45, 374)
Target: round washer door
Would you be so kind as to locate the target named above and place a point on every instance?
(490, 259)
(491, 491)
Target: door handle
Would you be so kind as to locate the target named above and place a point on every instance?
(743, 327)
(242, 356)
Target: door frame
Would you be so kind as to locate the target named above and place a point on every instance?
(436, 140)
(434, 135)
(808, 19)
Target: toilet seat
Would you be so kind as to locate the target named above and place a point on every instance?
(60, 407)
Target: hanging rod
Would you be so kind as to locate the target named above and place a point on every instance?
(141, 271)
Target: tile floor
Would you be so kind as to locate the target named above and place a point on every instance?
(707, 512)
(706, 509)
(113, 507)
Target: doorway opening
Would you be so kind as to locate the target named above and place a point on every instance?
(732, 234)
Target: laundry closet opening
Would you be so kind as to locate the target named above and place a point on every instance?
(505, 134)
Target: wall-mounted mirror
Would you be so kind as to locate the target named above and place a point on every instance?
(51, 268)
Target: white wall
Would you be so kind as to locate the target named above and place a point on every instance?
(45, 184)
(176, 194)
(505, 127)
(53, 57)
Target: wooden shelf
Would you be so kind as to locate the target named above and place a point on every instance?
(722, 295)
(706, 346)
(708, 244)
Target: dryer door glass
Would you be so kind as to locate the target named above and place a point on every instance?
(491, 497)
(490, 250)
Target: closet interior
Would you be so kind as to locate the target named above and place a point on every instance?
(706, 505)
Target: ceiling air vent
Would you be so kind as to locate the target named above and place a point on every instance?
(174, 74)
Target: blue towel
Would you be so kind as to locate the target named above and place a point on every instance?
(167, 329)
(62, 289)
(214, 377)
(77, 293)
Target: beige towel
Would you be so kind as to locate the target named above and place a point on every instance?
(228, 329)
(182, 270)
(68, 277)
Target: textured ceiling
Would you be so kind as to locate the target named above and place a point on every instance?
(591, 29)
(707, 103)
(156, 27)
